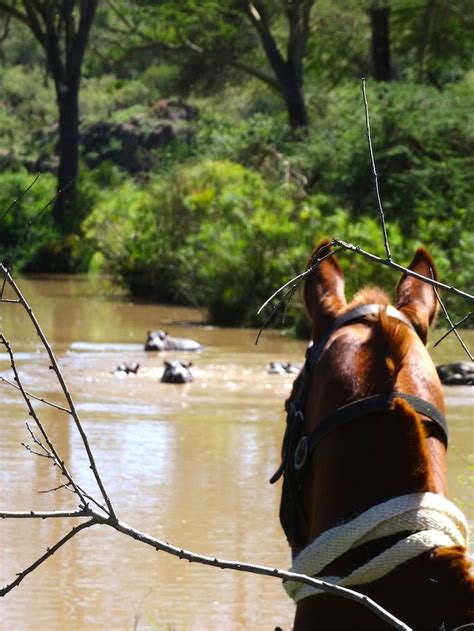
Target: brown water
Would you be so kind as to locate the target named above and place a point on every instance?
(188, 464)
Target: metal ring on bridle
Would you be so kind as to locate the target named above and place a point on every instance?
(301, 453)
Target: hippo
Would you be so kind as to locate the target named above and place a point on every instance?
(161, 341)
(127, 368)
(177, 372)
(456, 374)
(277, 368)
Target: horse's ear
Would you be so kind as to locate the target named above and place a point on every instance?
(324, 289)
(416, 298)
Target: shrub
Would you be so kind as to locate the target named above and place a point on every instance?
(25, 227)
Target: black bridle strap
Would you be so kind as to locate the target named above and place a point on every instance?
(377, 403)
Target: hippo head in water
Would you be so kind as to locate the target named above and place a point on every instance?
(177, 372)
(156, 340)
(277, 368)
(161, 341)
(127, 369)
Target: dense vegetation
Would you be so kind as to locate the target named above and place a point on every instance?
(198, 182)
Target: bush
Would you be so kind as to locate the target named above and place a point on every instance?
(25, 227)
(206, 234)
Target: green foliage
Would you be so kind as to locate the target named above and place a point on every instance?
(230, 209)
(205, 234)
(27, 111)
(212, 232)
(25, 227)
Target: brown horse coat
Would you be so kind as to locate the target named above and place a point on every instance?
(383, 456)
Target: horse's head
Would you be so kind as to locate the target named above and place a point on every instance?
(371, 357)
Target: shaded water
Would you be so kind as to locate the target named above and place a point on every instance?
(188, 464)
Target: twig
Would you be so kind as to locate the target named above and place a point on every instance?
(60, 487)
(374, 173)
(446, 315)
(284, 300)
(57, 459)
(29, 223)
(37, 453)
(257, 569)
(343, 245)
(453, 328)
(451, 289)
(49, 553)
(83, 512)
(33, 396)
(19, 198)
(72, 408)
(291, 287)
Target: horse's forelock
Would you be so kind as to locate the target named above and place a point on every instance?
(369, 295)
(389, 344)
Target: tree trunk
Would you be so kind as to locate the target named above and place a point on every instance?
(64, 211)
(288, 72)
(379, 19)
(295, 105)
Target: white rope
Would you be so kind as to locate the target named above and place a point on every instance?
(433, 520)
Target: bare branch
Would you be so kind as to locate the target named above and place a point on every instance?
(33, 396)
(25, 234)
(453, 328)
(83, 512)
(446, 315)
(374, 173)
(19, 198)
(258, 569)
(49, 553)
(60, 487)
(55, 367)
(56, 457)
(389, 263)
(36, 453)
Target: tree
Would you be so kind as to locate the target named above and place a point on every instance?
(216, 32)
(62, 29)
(288, 72)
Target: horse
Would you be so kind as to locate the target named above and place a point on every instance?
(363, 501)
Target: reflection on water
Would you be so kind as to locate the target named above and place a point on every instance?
(189, 464)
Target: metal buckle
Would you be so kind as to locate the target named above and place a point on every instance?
(301, 453)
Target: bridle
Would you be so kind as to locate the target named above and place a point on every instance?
(298, 446)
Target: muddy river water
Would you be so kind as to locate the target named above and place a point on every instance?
(189, 464)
